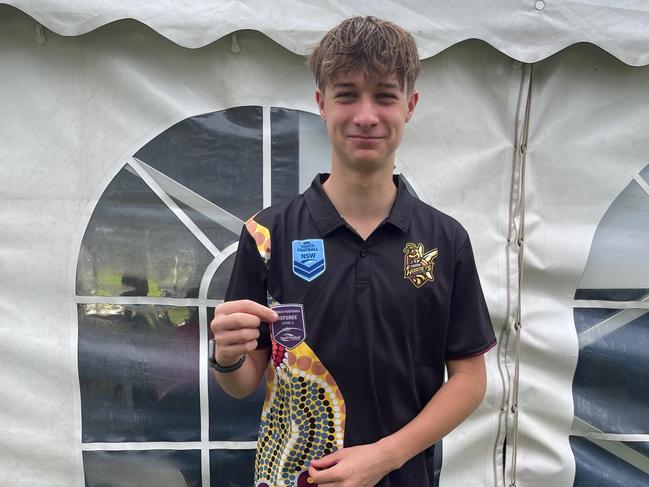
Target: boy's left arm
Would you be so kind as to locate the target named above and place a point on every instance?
(365, 465)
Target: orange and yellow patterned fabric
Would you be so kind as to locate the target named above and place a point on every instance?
(261, 235)
(303, 417)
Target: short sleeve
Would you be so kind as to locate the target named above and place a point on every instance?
(470, 330)
(249, 279)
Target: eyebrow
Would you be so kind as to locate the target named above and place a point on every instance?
(382, 84)
(388, 84)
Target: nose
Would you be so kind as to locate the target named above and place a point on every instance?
(366, 114)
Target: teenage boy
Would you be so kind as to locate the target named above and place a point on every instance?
(369, 293)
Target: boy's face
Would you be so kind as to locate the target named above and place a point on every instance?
(365, 119)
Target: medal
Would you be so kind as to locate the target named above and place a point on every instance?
(289, 330)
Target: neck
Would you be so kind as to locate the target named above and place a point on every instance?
(361, 197)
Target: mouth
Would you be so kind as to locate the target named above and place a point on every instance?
(365, 139)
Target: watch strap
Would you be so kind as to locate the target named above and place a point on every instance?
(223, 369)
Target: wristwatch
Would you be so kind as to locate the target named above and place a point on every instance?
(211, 347)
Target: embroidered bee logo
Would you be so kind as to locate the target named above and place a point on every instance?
(418, 264)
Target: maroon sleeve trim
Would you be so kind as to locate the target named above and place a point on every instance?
(482, 351)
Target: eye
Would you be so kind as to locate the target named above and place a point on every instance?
(345, 94)
(387, 97)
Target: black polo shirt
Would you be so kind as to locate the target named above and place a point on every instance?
(381, 316)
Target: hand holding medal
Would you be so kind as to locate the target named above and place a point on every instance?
(236, 328)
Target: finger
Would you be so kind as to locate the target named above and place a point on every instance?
(264, 313)
(237, 321)
(324, 477)
(236, 337)
(328, 460)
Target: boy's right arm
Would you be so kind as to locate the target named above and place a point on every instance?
(236, 328)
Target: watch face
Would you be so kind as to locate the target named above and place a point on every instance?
(611, 381)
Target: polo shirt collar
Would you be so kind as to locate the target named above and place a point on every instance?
(326, 216)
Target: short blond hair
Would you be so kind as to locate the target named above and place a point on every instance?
(376, 47)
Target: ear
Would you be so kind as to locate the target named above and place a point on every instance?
(413, 98)
(319, 99)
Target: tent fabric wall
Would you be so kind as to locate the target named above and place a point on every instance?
(589, 117)
(527, 31)
(76, 109)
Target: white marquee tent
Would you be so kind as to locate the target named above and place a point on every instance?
(136, 136)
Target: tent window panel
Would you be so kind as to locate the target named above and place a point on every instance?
(434, 463)
(611, 382)
(619, 254)
(596, 466)
(221, 278)
(142, 468)
(219, 235)
(136, 246)
(314, 148)
(138, 373)
(645, 174)
(232, 468)
(300, 149)
(217, 155)
(586, 318)
(233, 419)
(639, 446)
(284, 152)
(636, 294)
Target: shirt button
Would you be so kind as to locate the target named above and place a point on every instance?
(363, 252)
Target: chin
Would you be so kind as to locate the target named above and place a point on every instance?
(365, 161)
(366, 165)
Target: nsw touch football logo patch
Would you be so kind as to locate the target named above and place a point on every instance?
(308, 258)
